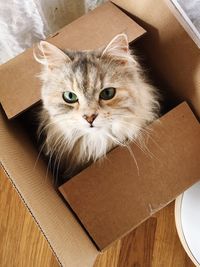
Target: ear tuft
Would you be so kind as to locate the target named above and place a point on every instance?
(117, 46)
(49, 55)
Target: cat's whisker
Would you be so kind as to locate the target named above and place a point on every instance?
(134, 158)
(43, 128)
(143, 148)
(135, 140)
(56, 142)
(115, 140)
(141, 139)
(59, 161)
(53, 150)
(55, 165)
(38, 156)
(146, 130)
(131, 117)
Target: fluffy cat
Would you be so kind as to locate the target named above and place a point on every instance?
(92, 101)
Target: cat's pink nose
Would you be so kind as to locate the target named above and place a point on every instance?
(90, 118)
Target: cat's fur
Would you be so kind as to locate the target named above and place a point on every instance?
(69, 136)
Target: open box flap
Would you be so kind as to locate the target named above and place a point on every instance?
(19, 86)
(28, 174)
(113, 196)
(171, 52)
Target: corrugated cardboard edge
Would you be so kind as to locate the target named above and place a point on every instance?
(25, 204)
(67, 239)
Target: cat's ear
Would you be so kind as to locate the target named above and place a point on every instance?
(49, 55)
(118, 46)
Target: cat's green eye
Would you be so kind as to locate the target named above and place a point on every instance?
(70, 97)
(107, 93)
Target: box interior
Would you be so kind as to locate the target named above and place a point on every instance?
(163, 49)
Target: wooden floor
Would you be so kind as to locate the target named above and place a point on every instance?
(153, 244)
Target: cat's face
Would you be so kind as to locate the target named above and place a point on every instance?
(95, 96)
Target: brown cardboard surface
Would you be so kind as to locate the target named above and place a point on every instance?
(19, 87)
(184, 20)
(70, 243)
(115, 195)
(169, 48)
(109, 197)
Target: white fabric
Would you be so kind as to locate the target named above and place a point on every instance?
(24, 22)
(20, 26)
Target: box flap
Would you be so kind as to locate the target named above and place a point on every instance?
(28, 174)
(19, 87)
(171, 52)
(115, 195)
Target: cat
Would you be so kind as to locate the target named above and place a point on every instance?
(92, 101)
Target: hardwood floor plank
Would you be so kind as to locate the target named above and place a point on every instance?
(137, 247)
(110, 257)
(168, 250)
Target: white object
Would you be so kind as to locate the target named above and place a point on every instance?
(187, 215)
(192, 8)
(25, 22)
(20, 26)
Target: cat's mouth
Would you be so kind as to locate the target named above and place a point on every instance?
(93, 127)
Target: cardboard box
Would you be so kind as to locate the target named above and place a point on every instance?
(176, 149)
(113, 197)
